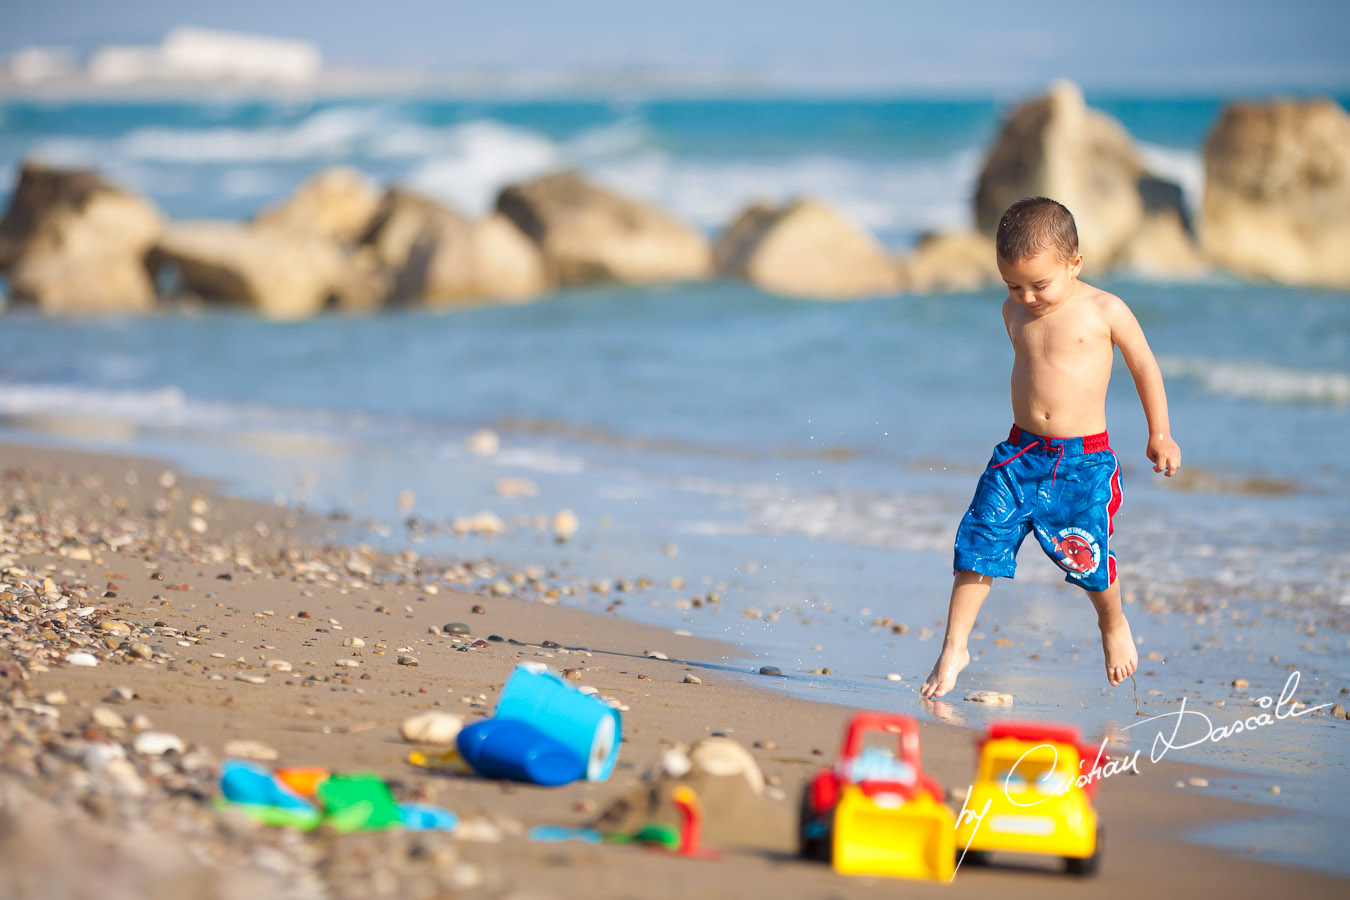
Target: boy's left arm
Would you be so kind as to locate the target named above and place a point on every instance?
(1126, 334)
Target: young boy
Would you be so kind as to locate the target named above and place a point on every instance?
(1055, 475)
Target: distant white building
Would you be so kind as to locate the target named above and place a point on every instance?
(33, 64)
(199, 54)
(117, 64)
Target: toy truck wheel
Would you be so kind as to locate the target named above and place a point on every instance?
(814, 839)
(1087, 865)
(972, 857)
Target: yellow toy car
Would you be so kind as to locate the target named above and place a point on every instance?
(1028, 797)
(875, 812)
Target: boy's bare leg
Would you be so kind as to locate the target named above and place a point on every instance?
(1122, 657)
(968, 591)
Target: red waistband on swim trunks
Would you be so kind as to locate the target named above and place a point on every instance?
(1092, 443)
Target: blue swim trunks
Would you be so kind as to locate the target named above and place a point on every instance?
(1067, 490)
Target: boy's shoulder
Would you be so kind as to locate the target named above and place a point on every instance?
(1105, 303)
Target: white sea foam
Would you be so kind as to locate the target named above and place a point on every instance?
(467, 163)
(888, 197)
(473, 161)
(1261, 381)
(540, 460)
(626, 136)
(169, 407)
(328, 133)
(251, 181)
(1183, 167)
(46, 399)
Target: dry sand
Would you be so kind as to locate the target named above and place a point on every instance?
(254, 585)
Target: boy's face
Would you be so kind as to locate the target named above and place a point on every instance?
(1041, 283)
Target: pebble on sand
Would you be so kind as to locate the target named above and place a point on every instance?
(431, 728)
(483, 442)
(690, 678)
(771, 670)
(107, 718)
(993, 698)
(157, 743)
(255, 750)
(565, 525)
(82, 658)
(893, 676)
(511, 488)
(121, 694)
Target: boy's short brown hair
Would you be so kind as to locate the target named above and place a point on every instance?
(1033, 225)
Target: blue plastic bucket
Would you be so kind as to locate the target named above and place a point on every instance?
(517, 751)
(585, 724)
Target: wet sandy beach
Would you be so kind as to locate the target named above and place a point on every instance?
(218, 620)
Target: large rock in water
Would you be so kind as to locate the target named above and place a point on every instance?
(1277, 192)
(469, 262)
(805, 249)
(74, 243)
(401, 220)
(337, 204)
(588, 234)
(1054, 146)
(439, 257)
(1164, 245)
(282, 273)
(952, 262)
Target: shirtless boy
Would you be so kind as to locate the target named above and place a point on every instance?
(1055, 476)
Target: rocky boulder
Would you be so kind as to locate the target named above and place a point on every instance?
(952, 262)
(453, 264)
(363, 285)
(1164, 245)
(73, 242)
(1055, 146)
(1277, 192)
(805, 249)
(401, 220)
(64, 285)
(436, 256)
(588, 234)
(282, 273)
(337, 204)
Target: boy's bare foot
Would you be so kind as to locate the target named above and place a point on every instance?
(1122, 658)
(943, 677)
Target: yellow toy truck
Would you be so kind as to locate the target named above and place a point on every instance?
(874, 812)
(1028, 797)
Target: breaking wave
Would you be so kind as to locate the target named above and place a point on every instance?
(1262, 381)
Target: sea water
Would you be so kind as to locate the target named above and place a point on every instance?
(805, 462)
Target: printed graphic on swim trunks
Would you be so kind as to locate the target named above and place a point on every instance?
(1076, 551)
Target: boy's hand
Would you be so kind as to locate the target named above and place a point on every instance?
(1164, 453)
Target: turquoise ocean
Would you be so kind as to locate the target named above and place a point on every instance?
(807, 462)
